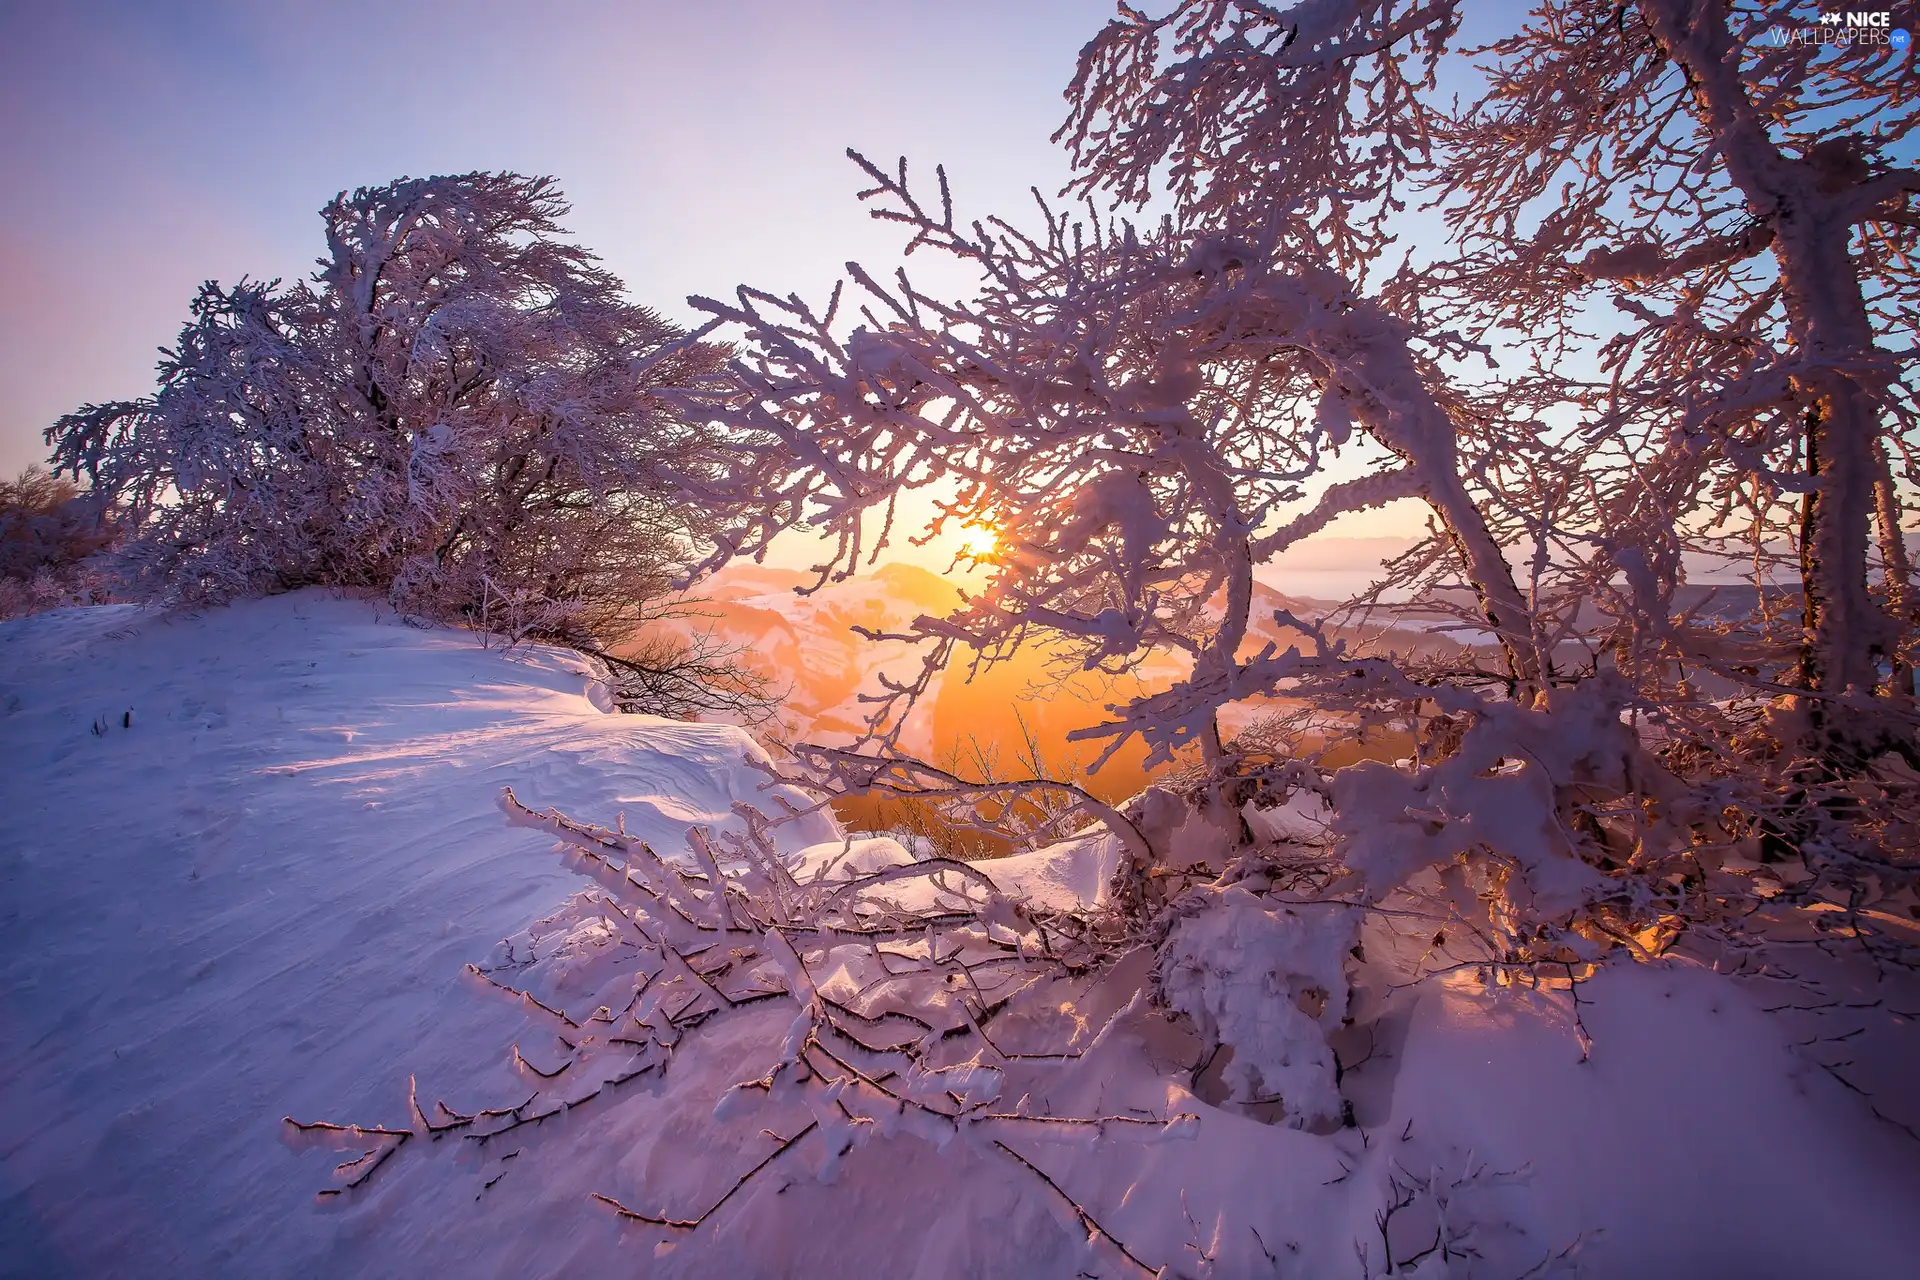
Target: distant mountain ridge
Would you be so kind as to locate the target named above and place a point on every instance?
(821, 666)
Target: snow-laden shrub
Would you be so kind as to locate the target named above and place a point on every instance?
(458, 408)
(50, 534)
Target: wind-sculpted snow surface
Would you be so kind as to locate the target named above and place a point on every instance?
(252, 854)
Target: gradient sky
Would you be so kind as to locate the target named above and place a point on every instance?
(151, 146)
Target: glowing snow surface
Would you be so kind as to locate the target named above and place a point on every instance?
(248, 854)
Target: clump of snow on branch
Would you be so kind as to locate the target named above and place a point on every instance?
(1267, 983)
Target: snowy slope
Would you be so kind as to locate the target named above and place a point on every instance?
(257, 900)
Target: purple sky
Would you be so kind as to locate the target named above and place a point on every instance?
(151, 146)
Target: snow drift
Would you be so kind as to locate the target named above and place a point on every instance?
(252, 854)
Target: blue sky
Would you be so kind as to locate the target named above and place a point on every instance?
(149, 147)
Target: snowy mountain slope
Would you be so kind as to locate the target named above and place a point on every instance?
(257, 899)
(806, 643)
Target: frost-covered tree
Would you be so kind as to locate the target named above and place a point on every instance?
(1742, 195)
(1733, 182)
(1144, 415)
(460, 407)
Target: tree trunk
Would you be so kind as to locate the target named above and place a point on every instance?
(1491, 576)
(1223, 657)
(1376, 369)
(1831, 333)
(1898, 568)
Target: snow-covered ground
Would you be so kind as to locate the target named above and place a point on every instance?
(247, 856)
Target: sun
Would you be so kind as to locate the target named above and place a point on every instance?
(979, 541)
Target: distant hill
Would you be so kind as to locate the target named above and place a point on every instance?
(822, 666)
